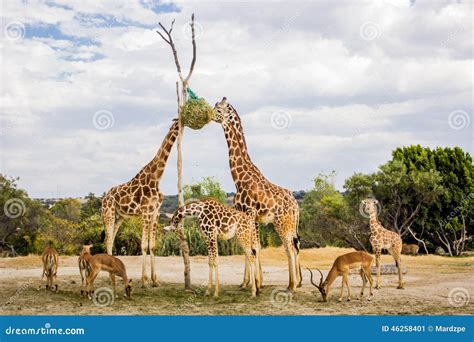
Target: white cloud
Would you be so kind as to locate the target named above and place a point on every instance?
(350, 100)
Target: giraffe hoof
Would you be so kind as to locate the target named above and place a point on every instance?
(155, 284)
(340, 300)
(378, 287)
(400, 287)
(348, 299)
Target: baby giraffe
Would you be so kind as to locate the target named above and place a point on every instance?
(341, 266)
(50, 260)
(218, 221)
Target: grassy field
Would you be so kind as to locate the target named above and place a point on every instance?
(429, 281)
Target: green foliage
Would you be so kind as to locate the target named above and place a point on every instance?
(208, 187)
(325, 215)
(426, 195)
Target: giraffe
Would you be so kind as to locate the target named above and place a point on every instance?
(381, 238)
(218, 221)
(273, 204)
(140, 197)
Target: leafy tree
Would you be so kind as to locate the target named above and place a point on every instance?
(449, 218)
(209, 187)
(68, 209)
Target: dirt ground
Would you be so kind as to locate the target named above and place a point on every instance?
(428, 282)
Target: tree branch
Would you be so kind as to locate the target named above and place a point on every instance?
(173, 47)
(193, 61)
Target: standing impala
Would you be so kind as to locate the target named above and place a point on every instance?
(341, 266)
(50, 260)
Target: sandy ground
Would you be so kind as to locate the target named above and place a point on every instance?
(428, 283)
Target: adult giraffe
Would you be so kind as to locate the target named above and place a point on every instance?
(140, 197)
(273, 204)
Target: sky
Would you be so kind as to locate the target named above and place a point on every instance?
(87, 88)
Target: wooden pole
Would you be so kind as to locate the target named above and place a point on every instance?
(181, 95)
(183, 245)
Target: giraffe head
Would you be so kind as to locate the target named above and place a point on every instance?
(223, 111)
(175, 220)
(370, 205)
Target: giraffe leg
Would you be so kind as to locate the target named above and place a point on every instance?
(216, 268)
(146, 222)
(254, 274)
(108, 216)
(212, 256)
(246, 281)
(258, 261)
(291, 265)
(258, 270)
(116, 227)
(298, 270)
(378, 252)
(152, 244)
(398, 261)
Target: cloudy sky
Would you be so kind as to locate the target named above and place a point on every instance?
(88, 88)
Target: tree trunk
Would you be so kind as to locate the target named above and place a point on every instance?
(183, 245)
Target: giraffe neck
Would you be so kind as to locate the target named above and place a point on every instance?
(191, 209)
(374, 221)
(158, 163)
(238, 154)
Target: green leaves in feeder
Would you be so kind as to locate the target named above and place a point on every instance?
(196, 112)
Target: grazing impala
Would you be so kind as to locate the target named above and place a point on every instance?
(111, 264)
(83, 267)
(341, 266)
(50, 259)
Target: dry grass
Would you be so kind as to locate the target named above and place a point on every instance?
(428, 282)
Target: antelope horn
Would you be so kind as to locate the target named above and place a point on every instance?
(321, 281)
(312, 282)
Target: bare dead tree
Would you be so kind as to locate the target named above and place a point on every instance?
(418, 239)
(181, 95)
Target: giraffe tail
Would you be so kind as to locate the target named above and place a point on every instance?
(296, 243)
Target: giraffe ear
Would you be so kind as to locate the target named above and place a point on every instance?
(168, 215)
